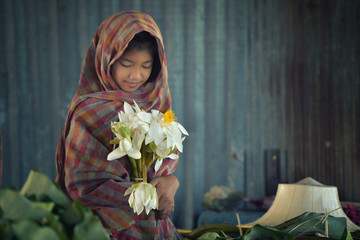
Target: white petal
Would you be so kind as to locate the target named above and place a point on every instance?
(125, 145)
(159, 138)
(142, 192)
(155, 198)
(163, 153)
(147, 196)
(128, 109)
(128, 191)
(136, 107)
(162, 145)
(179, 144)
(131, 200)
(118, 136)
(155, 134)
(134, 153)
(170, 143)
(158, 164)
(123, 117)
(116, 154)
(182, 129)
(173, 156)
(138, 139)
(144, 116)
(138, 204)
(153, 203)
(138, 208)
(156, 113)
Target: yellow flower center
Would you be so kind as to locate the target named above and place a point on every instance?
(169, 116)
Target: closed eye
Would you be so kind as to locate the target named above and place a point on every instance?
(147, 66)
(125, 65)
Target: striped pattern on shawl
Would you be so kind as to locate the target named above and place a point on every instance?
(82, 167)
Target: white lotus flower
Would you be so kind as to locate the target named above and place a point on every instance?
(155, 134)
(126, 145)
(173, 133)
(164, 126)
(143, 196)
(131, 118)
(125, 148)
(162, 151)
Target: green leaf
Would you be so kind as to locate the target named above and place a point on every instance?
(48, 206)
(5, 230)
(15, 206)
(348, 235)
(355, 235)
(54, 222)
(42, 212)
(263, 232)
(73, 214)
(30, 230)
(310, 223)
(209, 236)
(38, 184)
(90, 228)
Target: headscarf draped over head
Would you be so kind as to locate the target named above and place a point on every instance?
(83, 170)
(108, 44)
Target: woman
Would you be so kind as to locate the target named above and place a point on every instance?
(124, 62)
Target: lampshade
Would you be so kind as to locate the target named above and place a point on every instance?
(307, 195)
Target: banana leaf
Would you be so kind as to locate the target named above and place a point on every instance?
(304, 226)
(310, 223)
(262, 232)
(258, 232)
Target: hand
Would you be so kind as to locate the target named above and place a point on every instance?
(166, 188)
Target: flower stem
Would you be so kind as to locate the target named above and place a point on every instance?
(134, 167)
(145, 167)
(150, 161)
(144, 174)
(148, 166)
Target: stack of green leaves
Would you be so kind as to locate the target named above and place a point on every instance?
(41, 211)
(308, 225)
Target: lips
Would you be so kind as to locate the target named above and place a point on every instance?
(131, 84)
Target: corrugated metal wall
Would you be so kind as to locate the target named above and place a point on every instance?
(256, 83)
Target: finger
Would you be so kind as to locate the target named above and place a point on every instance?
(155, 182)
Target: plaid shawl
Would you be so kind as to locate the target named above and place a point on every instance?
(83, 170)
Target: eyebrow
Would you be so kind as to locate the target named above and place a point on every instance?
(128, 60)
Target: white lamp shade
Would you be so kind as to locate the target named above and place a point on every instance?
(308, 195)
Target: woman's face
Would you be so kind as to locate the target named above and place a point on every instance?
(132, 69)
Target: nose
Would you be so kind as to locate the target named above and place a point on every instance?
(135, 74)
